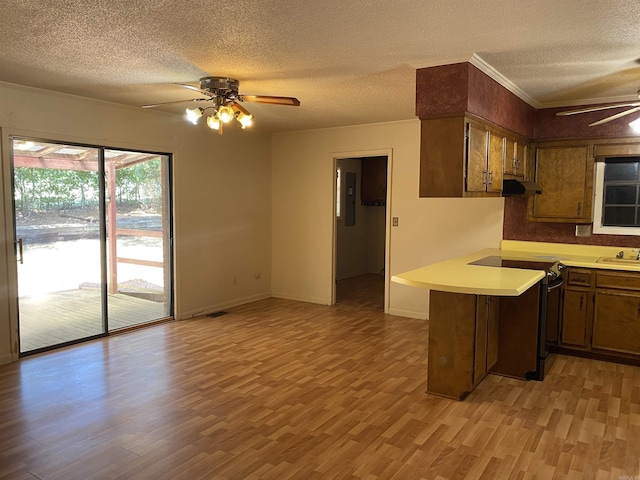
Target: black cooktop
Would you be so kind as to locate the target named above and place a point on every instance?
(498, 261)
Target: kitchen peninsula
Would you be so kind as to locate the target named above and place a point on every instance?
(486, 318)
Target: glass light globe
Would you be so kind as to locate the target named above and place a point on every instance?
(225, 114)
(213, 123)
(193, 114)
(245, 120)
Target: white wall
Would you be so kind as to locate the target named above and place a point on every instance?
(429, 230)
(222, 193)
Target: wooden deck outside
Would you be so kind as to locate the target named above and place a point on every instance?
(71, 315)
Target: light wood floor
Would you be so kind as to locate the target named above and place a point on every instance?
(285, 390)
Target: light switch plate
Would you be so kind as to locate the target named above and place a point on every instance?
(583, 230)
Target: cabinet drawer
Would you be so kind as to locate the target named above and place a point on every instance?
(578, 278)
(618, 280)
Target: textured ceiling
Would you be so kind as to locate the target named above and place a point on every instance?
(349, 62)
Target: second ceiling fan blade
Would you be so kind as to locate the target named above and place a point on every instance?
(291, 101)
(195, 89)
(596, 109)
(616, 116)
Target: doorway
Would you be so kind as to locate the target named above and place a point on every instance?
(93, 241)
(361, 231)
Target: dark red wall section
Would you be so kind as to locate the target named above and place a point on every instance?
(442, 90)
(490, 100)
(516, 227)
(461, 87)
(549, 126)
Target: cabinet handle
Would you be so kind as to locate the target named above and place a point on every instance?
(490, 180)
(582, 302)
(579, 208)
(638, 309)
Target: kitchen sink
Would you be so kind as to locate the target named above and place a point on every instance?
(625, 261)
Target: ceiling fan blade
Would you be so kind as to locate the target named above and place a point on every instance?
(595, 109)
(291, 101)
(175, 102)
(615, 117)
(195, 89)
(239, 108)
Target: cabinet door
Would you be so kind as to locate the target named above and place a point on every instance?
(616, 323)
(495, 162)
(374, 179)
(563, 174)
(486, 337)
(574, 317)
(476, 158)
(492, 332)
(510, 164)
(480, 350)
(519, 160)
(528, 163)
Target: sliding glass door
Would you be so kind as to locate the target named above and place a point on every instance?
(138, 238)
(92, 241)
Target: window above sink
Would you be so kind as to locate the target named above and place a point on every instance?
(617, 196)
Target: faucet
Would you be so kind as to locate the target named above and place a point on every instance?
(637, 250)
(620, 254)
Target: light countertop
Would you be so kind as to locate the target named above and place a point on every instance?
(457, 276)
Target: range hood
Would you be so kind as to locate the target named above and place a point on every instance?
(511, 186)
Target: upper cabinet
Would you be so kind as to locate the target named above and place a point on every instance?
(465, 157)
(373, 189)
(517, 159)
(564, 171)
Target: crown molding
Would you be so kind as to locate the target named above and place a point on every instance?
(491, 72)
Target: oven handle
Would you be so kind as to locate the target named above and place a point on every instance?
(558, 282)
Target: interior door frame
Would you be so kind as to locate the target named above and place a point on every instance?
(388, 152)
(8, 230)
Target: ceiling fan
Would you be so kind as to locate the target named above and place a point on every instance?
(223, 93)
(635, 107)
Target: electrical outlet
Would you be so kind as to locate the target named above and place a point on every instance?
(395, 221)
(583, 230)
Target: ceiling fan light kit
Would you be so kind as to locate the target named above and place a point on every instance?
(223, 92)
(634, 107)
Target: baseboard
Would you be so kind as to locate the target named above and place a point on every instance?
(297, 298)
(5, 359)
(408, 314)
(221, 306)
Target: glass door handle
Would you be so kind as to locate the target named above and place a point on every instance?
(20, 256)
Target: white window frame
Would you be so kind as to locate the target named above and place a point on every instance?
(598, 199)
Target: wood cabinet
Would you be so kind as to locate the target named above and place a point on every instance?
(485, 157)
(575, 317)
(464, 156)
(576, 312)
(518, 334)
(529, 163)
(463, 342)
(373, 190)
(601, 314)
(616, 320)
(565, 174)
(515, 158)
